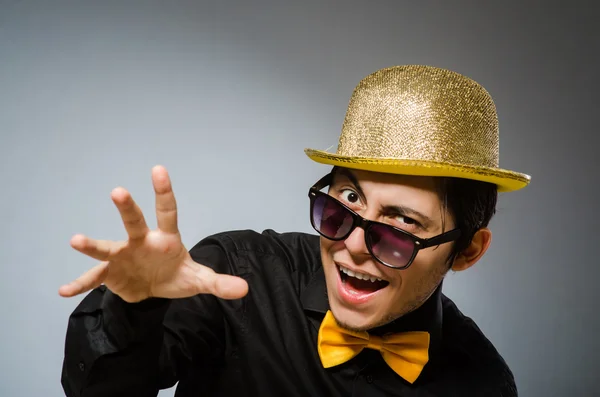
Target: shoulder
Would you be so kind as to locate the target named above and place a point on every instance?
(297, 251)
(472, 356)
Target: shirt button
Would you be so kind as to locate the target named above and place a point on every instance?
(81, 366)
(369, 379)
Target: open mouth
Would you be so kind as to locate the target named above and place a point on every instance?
(357, 283)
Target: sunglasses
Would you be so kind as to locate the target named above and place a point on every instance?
(389, 245)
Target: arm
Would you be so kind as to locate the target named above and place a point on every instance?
(153, 309)
(116, 348)
(112, 347)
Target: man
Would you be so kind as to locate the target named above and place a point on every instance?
(357, 310)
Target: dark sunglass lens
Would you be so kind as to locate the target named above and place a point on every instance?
(390, 246)
(330, 218)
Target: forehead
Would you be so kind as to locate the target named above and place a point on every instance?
(419, 192)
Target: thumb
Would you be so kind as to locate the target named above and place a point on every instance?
(229, 287)
(221, 285)
(89, 280)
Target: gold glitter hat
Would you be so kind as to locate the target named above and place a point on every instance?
(422, 120)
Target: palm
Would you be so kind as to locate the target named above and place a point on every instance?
(151, 263)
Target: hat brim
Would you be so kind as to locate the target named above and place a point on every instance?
(507, 181)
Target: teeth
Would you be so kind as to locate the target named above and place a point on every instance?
(359, 276)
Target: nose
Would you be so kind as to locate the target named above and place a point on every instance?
(356, 245)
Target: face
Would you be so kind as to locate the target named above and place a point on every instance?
(406, 202)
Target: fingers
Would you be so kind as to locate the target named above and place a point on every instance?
(222, 285)
(101, 250)
(88, 281)
(166, 206)
(131, 214)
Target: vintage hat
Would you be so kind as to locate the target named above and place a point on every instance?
(422, 120)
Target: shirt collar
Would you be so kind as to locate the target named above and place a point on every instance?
(428, 317)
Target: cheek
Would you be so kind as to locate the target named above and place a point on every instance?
(325, 246)
(426, 266)
(433, 258)
(329, 268)
(329, 247)
(327, 250)
(428, 272)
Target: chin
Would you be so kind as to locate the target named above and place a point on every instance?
(357, 317)
(352, 320)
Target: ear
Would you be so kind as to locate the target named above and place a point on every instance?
(470, 255)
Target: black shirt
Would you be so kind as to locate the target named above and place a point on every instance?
(265, 343)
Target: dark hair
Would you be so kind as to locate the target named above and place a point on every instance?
(471, 203)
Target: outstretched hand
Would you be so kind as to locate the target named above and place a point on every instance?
(151, 263)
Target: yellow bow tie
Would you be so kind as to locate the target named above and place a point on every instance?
(406, 353)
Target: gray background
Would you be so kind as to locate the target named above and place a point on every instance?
(226, 94)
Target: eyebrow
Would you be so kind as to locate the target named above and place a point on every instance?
(425, 221)
(350, 175)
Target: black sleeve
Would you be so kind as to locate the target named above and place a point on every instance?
(114, 348)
